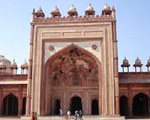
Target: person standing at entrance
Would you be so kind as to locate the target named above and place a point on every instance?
(35, 116)
(68, 114)
(61, 112)
(80, 114)
(32, 116)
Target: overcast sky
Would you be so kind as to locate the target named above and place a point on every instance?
(133, 25)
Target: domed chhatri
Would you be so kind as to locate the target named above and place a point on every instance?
(106, 7)
(39, 13)
(24, 65)
(72, 11)
(55, 12)
(90, 10)
(125, 64)
(138, 64)
(14, 65)
(4, 60)
(138, 61)
(106, 10)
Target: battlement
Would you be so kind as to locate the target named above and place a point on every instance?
(76, 19)
(108, 14)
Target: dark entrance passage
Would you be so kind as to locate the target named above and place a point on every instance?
(123, 105)
(57, 107)
(10, 105)
(140, 105)
(75, 104)
(24, 106)
(95, 110)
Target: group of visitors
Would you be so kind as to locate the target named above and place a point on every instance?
(78, 114)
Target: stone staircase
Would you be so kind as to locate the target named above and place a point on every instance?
(83, 118)
(73, 118)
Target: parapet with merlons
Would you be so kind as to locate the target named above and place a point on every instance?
(108, 14)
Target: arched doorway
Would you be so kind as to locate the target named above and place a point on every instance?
(70, 67)
(57, 107)
(95, 110)
(24, 106)
(76, 104)
(123, 105)
(10, 105)
(140, 105)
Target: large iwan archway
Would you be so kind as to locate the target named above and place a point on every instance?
(69, 71)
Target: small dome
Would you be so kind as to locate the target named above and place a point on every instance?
(137, 61)
(106, 7)
(125, 61)
(24, 65)
(14, 65)
(90, 8)
(40, 10)
(4, 60)
(72, 9)
(55, 9)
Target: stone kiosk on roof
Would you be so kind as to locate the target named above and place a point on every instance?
(73, 65)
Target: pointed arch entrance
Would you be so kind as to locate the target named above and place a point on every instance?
(76, 104)
(140, 105)
(10, 105)
(95, 110)
(123, 105)
(67, 71)
(57, 107)
(24, 106)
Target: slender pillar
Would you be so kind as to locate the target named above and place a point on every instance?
(115, 63)
(28, 105)
(130, 100)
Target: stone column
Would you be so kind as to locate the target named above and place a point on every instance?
(130, 100)
(115, 63)
(20, 101)
(28, 106)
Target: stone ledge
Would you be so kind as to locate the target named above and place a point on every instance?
(72, 118)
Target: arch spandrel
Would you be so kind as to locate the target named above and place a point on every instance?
(93, 47)
(74, 65)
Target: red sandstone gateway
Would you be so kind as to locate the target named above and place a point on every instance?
(73, 65)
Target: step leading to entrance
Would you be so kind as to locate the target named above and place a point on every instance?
(73, 118)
